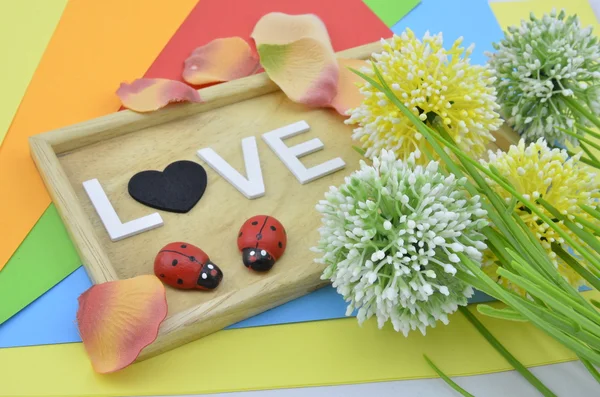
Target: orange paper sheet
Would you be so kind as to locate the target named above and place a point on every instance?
(128, 33)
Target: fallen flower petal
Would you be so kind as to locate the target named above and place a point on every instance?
(280, 28)
(117, 319)
(297, 55)
(348, 87)
(147, 95)
(220, 60)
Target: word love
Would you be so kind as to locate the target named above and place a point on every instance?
(251, 185)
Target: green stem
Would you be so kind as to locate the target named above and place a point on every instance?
(587, 130)
(582, 271)
(588, 224)
(446, 379)
(580, 138)
(591, 369)
(555, 301)
(503, 314)
(575, 105)
(588, 152)
(585, 160)
(505, 353)
(531, 311)
(592, 211)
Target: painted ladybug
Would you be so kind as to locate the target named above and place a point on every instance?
(262, 240)
(184, 266)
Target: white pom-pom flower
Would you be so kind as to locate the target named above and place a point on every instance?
(539, 66)
(390, 237)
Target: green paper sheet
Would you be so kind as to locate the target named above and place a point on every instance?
(26, 26)
(391, 11)
(46, 257)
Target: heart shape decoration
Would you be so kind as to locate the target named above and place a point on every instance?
(176, 189)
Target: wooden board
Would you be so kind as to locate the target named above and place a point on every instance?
(115, 147)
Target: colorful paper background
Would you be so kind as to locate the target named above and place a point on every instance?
(292, 355)
(85, 61)
(360, 355)
(208, 20)
(33, 22)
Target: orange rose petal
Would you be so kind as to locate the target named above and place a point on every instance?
(280, 28)
(303, 70)
(220, 60)
(147, 95)
(297, 55)
(117, 319)
(348, 92)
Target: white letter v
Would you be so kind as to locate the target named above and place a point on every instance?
(251, 187)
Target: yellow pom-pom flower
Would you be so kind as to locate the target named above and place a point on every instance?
(438, 85)
(538, 171)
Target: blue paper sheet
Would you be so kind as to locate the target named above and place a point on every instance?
(471, 19)
(51, 318)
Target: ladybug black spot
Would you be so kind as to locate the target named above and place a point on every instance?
(193, 258)
(280, 245)
(184, 246)
(254, 223)
(273, 228)
(162, 275)
(179, 281)
(259, 236)
(174, 263)
(240, 235)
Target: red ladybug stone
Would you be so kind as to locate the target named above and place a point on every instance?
(262, 240)
(185, 266)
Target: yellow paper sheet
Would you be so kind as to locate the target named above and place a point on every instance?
(293, 355)
(510, 13)
(25, 29)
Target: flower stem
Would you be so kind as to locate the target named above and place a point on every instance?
(588, 130)
(583, 272)
(446, 379)
(506, 354)
(582, 139)
(585, 160)
(591, 369)
(576, 106)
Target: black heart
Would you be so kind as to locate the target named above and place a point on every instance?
(176, 189)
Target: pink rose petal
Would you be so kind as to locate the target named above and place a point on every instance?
(147, 95)
(348, 93)
(117, 319)
(220, 60)
(297, 55)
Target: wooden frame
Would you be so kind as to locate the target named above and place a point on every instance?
(46, 148)
(223, 310)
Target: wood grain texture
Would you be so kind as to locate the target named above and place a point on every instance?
(115, 147)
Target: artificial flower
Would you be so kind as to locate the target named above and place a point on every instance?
(438, 85)
(390, 237)
(541, 64)
(538, 171)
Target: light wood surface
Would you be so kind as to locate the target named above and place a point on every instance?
(115, 147)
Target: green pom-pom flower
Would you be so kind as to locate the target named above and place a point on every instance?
(540, 64)
(389, 238)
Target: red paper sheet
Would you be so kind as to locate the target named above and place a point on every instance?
(350, 23)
